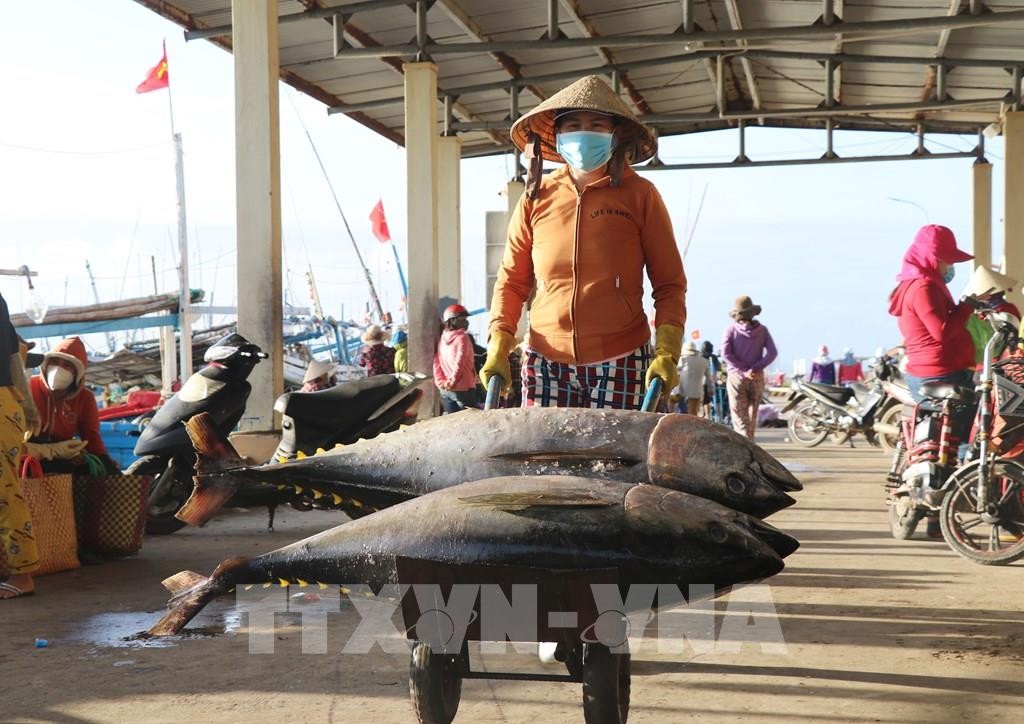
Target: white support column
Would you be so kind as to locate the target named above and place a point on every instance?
(981, 173)
(258, 200)
(449, 238)
(421, 152)
(1013, 239)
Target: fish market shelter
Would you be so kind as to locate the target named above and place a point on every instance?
(446, 78)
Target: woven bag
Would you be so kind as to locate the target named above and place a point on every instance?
(49, 500)
(110, 510)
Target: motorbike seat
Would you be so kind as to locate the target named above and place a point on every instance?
(948, 392)
(352, 399)
(833, 392)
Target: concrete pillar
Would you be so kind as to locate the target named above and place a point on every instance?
(449, 239)
(982, 219)
(1013, 239)
(258, 200)
(421, 152)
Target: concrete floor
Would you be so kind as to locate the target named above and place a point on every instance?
(874, 629)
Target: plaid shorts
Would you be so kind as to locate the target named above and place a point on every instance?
(617, 384)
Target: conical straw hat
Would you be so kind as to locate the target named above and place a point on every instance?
(985, 281)
(589, 93)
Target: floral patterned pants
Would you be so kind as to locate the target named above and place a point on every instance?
(15, 523)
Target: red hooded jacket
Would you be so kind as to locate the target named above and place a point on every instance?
(75, 415)
(934, 327)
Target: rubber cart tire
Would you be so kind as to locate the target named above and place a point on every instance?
(606, 685)
(435, 685)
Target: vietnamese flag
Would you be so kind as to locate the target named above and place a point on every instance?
(380, 224)
(157, 77)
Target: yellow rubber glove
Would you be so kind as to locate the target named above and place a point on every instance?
(498, 348)
(65, 450)
(668, 343)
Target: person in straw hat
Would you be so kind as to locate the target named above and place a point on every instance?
(375, 356)
(747, 348)
(317, 377)
(989, 288)
(582, 237)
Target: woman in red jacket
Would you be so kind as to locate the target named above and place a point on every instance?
(933, 325)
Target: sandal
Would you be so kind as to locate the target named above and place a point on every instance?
(18, 593)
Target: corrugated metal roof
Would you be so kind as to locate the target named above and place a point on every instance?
(665, 80)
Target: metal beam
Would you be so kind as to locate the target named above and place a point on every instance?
(808, 161)
(312, 14)
(931, 78)
(733, 11)
(469, 26)
(815, 112)
(850, 30)
(365, 40)
(587, 28)
(835, 58)
(688, 27)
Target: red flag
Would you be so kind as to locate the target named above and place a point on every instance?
(157, 77)
(380, 224)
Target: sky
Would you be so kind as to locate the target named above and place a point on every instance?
(88, 176)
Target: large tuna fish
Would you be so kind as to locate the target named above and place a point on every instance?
(681, 452)
(646, 533)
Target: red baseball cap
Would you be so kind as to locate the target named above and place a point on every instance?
(942, 240)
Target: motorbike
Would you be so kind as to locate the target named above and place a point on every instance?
(978, 501)
(821, 410)
(311, 421)
(888, 425)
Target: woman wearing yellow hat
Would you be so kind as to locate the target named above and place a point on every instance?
(582, 237)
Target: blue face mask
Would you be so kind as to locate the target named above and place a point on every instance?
(584, 150)
(950, 273)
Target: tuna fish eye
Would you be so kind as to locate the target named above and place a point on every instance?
(718, 534)
(735, 485)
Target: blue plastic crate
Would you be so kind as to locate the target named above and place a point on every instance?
(120, 437)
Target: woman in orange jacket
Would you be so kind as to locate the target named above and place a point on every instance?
(582, 237)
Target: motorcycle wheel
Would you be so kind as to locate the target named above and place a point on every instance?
(804, 427)
(903, 518)
(891, 416)
(996, 537)
(160, 518)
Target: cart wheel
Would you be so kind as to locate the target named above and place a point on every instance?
(435, 685)
(605, 685)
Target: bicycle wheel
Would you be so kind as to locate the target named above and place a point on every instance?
(995, 536)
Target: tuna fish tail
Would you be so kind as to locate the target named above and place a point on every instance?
(214, 481)
(190, 592)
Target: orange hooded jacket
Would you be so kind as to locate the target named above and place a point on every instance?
(586, 254)
(74, 415)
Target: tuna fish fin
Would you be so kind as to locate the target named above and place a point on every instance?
(186, 602)
(214, 484)
(183, 581)
(552, 499)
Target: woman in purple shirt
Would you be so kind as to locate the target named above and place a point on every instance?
(823, 369)
(747, 349)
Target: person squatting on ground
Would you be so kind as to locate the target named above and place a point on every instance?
(17, 414)
(454, 373)
(823, 368)
(375, 356)
(747, 349)
(694, 378)
(317, 377)
(400, 342)
(67, 410)
(582, 237)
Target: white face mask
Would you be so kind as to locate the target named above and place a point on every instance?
(58, 378)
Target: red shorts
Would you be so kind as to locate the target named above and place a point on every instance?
(617, 384)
